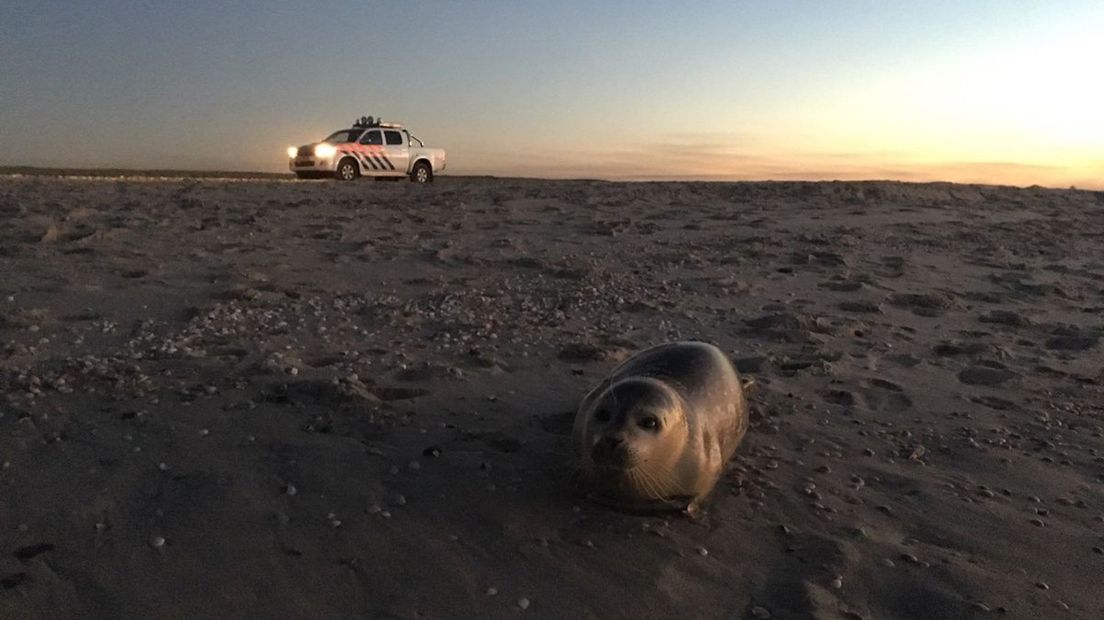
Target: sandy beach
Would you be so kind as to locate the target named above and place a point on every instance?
(267, 398)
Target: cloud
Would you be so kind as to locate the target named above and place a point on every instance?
(718, 160)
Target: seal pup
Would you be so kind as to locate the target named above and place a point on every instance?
(655, 434)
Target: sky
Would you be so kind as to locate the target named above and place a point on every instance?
(1005, 91)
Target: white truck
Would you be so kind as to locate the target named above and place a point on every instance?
(369, 148)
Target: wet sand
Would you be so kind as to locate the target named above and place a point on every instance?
(267, 398)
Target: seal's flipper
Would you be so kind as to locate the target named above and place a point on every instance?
(693, 510)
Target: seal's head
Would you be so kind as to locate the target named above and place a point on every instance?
(630, 435)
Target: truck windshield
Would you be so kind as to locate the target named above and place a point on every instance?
(343, 136)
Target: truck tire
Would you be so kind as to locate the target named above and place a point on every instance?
(421, 173)
(347, 170)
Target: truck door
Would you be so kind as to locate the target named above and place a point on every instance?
(396, 151)
(373, 162)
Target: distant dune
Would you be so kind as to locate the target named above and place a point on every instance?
(233, 174)
(129, 172)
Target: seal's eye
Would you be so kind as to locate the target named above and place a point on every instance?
(603, 415)
(649, 423)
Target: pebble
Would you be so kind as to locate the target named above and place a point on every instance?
(492, 591)
(1042, 585)
(523, 603)
(837, 583)
(157, 542)
(1098, 550)
(888, 563)
(291, 490)
(163, 466)
(760, 612)
(981, 606)
(702, 551)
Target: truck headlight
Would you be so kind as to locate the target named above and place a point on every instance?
(292, 151)
(324, 150)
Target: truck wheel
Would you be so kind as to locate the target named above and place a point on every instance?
(421, 173)
(347, 170)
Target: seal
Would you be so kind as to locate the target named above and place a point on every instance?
(656, 434)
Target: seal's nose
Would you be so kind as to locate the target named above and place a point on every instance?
(613, 442)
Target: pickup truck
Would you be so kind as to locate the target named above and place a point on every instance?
(369, 148)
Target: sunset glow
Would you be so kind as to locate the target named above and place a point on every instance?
(993, 92)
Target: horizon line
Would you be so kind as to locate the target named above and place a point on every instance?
(186, 173)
